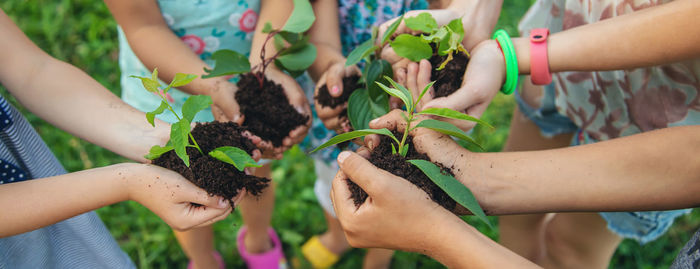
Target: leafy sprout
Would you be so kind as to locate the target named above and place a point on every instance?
(457, 191)
(294, 51)
(447, 39)
(180, 134)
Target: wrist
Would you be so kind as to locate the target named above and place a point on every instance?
(522, 51)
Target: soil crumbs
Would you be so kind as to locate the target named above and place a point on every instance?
(449, 79)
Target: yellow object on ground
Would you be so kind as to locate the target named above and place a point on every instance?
(317, 254)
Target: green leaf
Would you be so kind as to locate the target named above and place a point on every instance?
(150, 116)
(156, 151)
(179, 132)
(452, 114)
(299, 61)
(448, 129)
(235, 156)
(154, 74)
(194, 104)
(390, 31)
(301, 19)
(278, 41)
(359, 115)
(440, 34)
(148, 83)
(360, 52)
(456, 27)
(352, 135)
(227, 62)
(182, 79)
(455, 189)
(411, 47)
(393, 149)
(297, 45)
(427, 87)
(404, 150)
(405, 91)
(396, 93)
(267, 28)
(290, 37)
(377, 71)
(424, 22)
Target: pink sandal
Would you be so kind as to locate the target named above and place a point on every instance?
(217, 257)
(271, 259)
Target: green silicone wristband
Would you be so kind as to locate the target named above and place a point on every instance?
(511, 61)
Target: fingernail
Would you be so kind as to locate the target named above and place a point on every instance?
(370, 144)
(300, 110)
(342, 156)
(235, 118)
(223, 203)
(335, 89)
(374, 121)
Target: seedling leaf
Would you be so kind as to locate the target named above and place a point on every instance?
(301, 19)
(182, 79)
(360, 52)
(404, 150)
(354, 134)
(424, 22)
(150, 116)
(300, 60)
(390, 31)
(448, 129)
(411, 47)
(227, 62)
(396, 93)
(452, 114)
(150, 84)
(403, 90)
(156, 151)
(194, 104)
(377, 70)
(359, 115)
(455, 189)
(235, 156)
(267, 28)
(427, 87)
(178, 136)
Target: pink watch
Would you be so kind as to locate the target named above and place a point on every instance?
(539, 63)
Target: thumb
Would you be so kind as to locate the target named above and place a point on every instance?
(201, 216)
(334, 81)
(370, 178)
(190, 193)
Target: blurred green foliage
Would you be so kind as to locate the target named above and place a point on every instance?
(83, 33)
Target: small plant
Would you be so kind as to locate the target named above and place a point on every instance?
(446, 39)
(294, 51)
(180, 135)
(446, 182)
(367, 104)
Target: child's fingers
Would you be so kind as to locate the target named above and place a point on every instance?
(201, 216)
(370, 178)
(411, 78)
(209, 222)
(424, 69)
(391, 121)
(340, 196)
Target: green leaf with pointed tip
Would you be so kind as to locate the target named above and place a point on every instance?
(267, 28)
(396, 93)
(301, 19)
(360, 52)
(234, 156)
(359, 115)
(148, 83)
(455, 189)
(156, 151)
(154, 74)
(297, 45)
(227, 62)
(299, 61)
(393, 149)
(182, 79)
(424, 22)
(179, 132)
(411, 47)
(151, 116)
(403, 90)
(390, 31)
(448, 129)
(452, 114)
(278, 41)
(377, 70)
(352, 135)
(456, 26)
(427, 87)
(194, 104)
(404, 150)
(290, 37)
(440, 34)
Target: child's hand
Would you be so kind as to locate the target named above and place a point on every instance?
(297, 99)
(333, 80)
(396, 215)
(224, 107)
(172, 197)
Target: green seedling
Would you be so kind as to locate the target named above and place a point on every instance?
(447, 39)
(447, 183)
(180, 135)
(294, 51)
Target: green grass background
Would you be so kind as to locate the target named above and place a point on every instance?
(83, 33)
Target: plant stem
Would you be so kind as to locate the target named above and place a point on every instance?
(162, 96)
(405, 135)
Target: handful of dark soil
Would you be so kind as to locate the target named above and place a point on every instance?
(349, 86)
(449, 79)
(208, 173)
(267, 111)
(382, 157)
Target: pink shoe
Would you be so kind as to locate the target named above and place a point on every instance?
(273, 259)
(218, 259)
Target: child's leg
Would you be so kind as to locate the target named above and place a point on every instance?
(334, 237)
(257, 213)
(377, 258)
(198, 245)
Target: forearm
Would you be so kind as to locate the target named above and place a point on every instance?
(325, 35)
(41, 202)
(478, 18)
(657, 170)
(653, 36)
(276, 12)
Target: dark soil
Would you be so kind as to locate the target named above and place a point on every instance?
(208, 173)
(383, 158)
(449, 79)
(267, 111)
(349, 86)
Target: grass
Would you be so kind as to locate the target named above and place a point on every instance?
(83, 33)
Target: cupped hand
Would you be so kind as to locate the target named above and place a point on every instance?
(333, 80)
(177, 201)
(297, 99)
(396, 215)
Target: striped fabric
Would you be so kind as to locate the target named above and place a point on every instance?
(79, 242)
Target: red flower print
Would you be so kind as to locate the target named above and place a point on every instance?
(248, 21)
(195, 43)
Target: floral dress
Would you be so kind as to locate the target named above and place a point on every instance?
(205, 26)
(610, 104)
